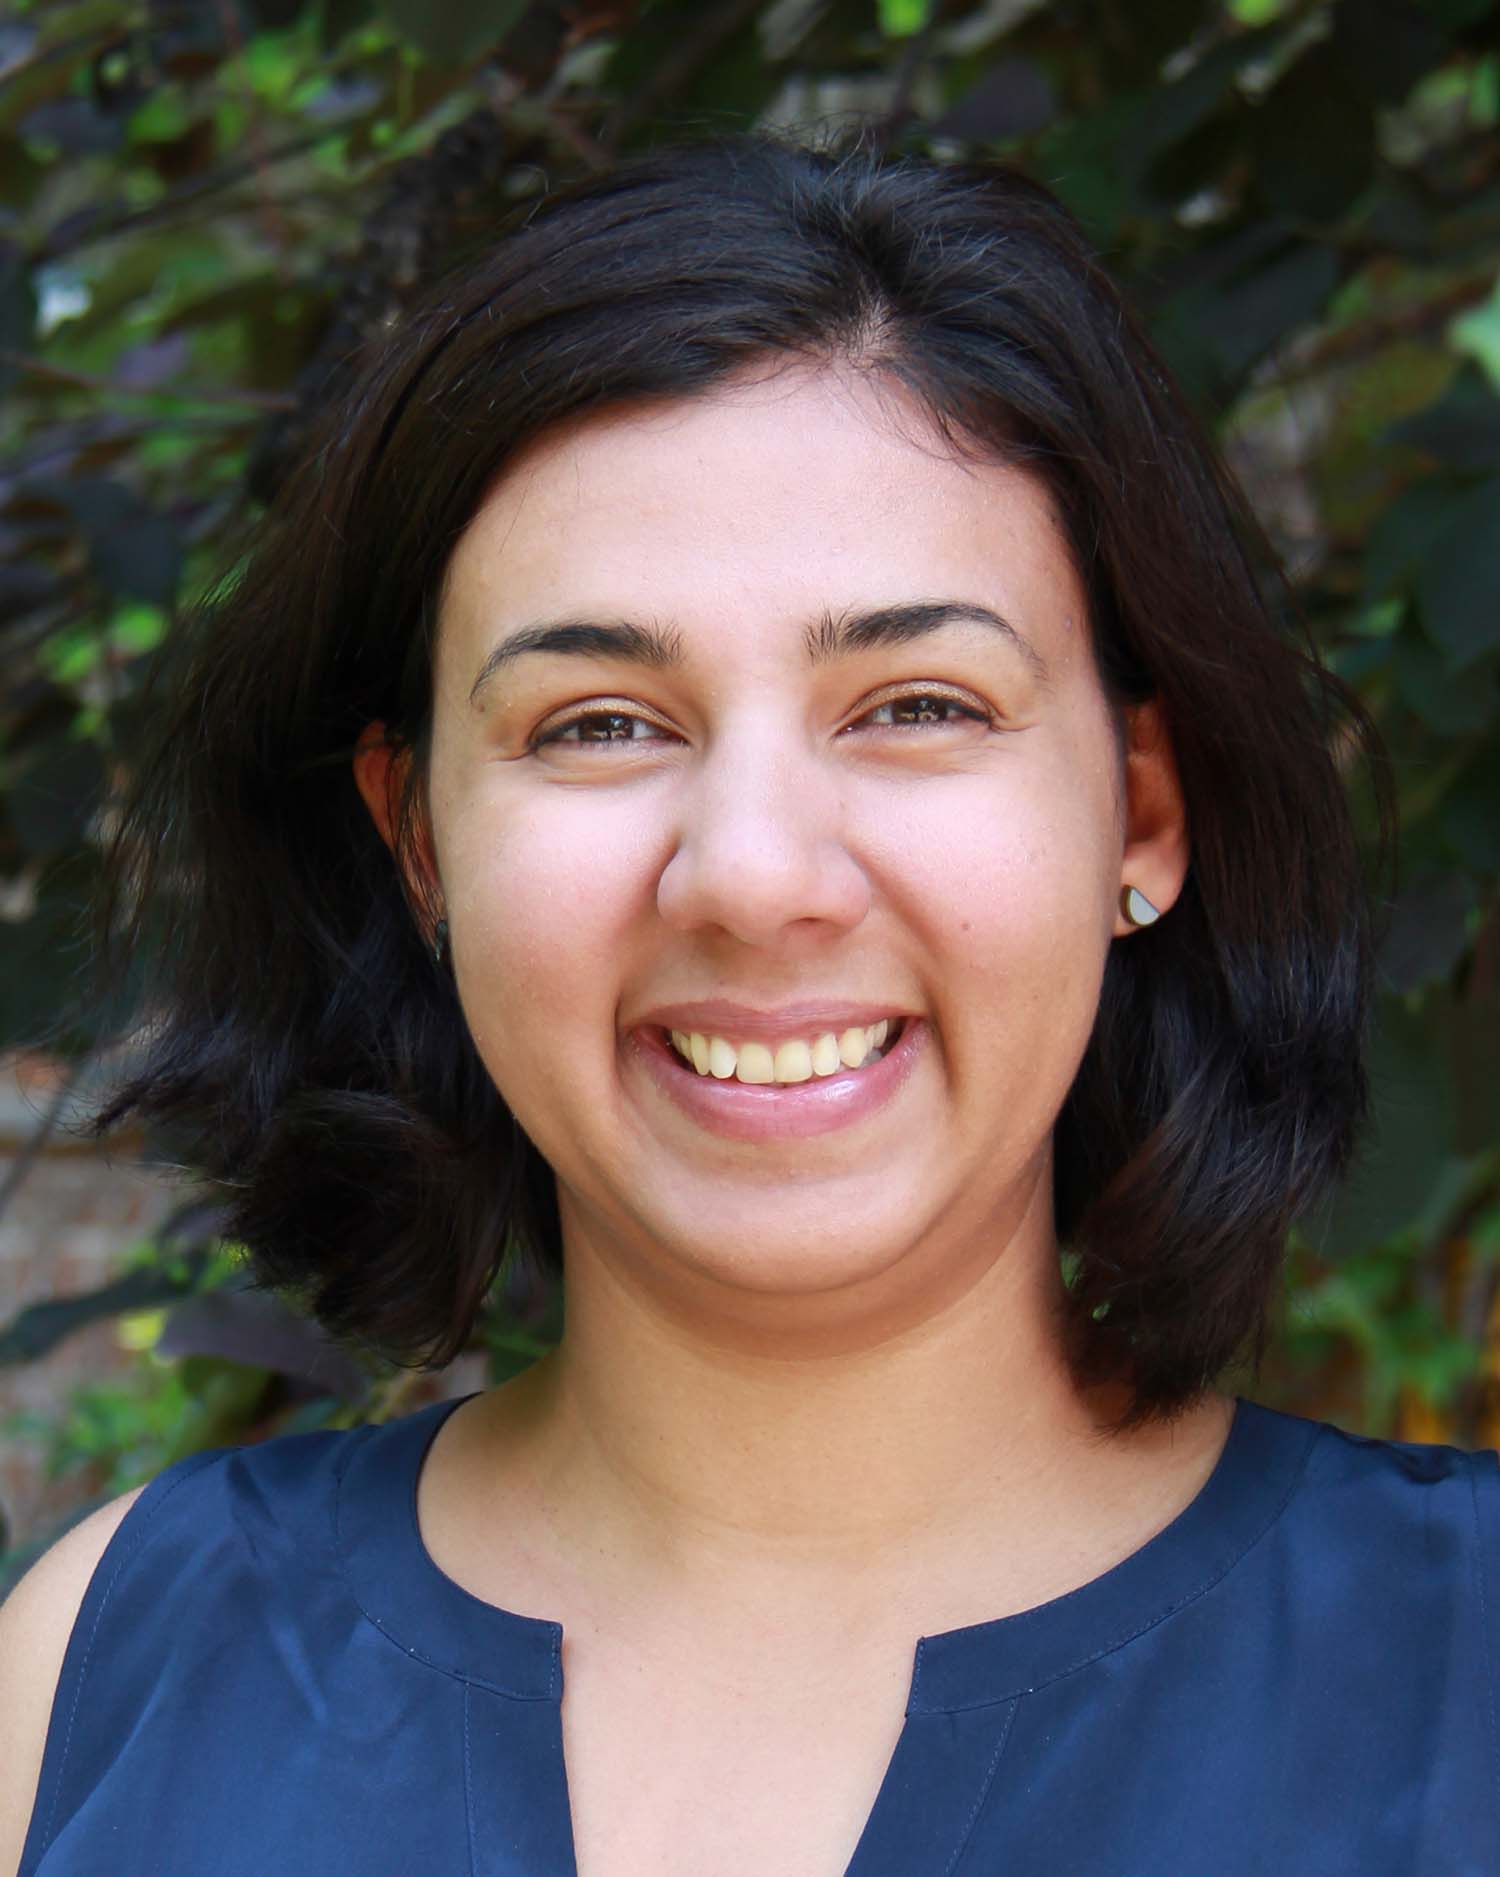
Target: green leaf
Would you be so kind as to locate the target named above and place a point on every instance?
(455, 32)
(231, 121)
(1215, 333)
(168, 449)
(338, 19)
(1461, 428)
(898, 18)
(138, 629)
(1484, 99)
(1314, 139)
(1470, 812)
(1404, 535)
(1450, 701)
(1477, 333)
(275, 64)
(1379, 621)
(68, 656)
(52, 802)
(1386, 45)
(1404, 1154)
(162, 118)
(276, 14)
(1456, 14)
(1485, 1238)
(1458, 587)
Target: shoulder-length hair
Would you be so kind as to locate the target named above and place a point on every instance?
(304, 1048)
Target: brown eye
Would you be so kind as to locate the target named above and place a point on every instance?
(930, 707)
(597, 728)
(594, 727)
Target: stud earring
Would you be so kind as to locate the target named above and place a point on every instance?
(440, 941)
(1136, 907)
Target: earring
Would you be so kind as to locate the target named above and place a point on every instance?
(1136, 907)
(440, 941)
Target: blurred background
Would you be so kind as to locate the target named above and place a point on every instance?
(208, 207)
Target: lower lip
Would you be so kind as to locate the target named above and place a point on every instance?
(770, 1111)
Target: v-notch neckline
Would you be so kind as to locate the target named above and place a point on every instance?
(964, 1682)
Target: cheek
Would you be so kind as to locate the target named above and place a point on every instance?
(1010, 893)
(542, 898)
(1022, 864)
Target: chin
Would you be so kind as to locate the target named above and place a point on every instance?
(802, 1260)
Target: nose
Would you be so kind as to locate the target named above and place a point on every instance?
(761, 843)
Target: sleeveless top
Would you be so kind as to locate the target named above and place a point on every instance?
(1295, 1678)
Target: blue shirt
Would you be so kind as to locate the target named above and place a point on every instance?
(1296, 1678)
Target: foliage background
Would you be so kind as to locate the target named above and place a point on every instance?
(208, 206)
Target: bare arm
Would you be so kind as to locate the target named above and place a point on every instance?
(35, 1623)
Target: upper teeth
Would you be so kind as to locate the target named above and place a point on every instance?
(792, 1061)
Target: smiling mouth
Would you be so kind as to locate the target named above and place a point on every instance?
(791, 1063)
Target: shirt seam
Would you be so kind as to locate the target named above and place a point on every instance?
(469, 1779)
(409, 1650)
(984, 1791)
(1190, 1597)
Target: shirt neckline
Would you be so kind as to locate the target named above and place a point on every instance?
(400, 1589)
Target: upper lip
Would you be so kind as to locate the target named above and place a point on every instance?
(717, 1016)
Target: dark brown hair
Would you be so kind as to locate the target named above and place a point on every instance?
(307, 1051)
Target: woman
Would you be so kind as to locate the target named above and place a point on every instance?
(756, 765)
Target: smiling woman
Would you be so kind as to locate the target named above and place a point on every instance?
(760, 766)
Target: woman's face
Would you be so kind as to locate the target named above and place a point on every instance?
(929, 824)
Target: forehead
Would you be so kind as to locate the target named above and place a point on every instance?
(781, 493)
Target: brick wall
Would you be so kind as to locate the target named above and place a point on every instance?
(62, 1232)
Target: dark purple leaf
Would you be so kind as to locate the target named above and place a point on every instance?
(259, 1329)
(1427, 933)
(75, 125)
(40, 1327)
(154, 363)
(1013, 99)
(135, 551)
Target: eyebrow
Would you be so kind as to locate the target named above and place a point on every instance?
(660, 647)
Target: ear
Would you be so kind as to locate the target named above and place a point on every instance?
(1157, 847)
(380, 776)
(380, 771)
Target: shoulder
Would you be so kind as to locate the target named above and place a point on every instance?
(153, 1577)
(1364, 1522)
(1403, 1532)
(1363, 1486)
(1412, 1472)
(36, 1622)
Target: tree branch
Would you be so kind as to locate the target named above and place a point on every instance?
(225, 176)
(90, 381)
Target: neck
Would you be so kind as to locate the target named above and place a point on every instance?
(876, 1446)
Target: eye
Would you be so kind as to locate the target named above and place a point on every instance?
(929, 703)
(616, 729)
(597, 727)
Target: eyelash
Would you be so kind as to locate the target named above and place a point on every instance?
(554, 734)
